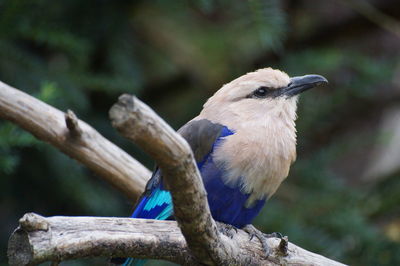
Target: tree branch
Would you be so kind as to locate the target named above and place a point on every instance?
(137, 122)
(39, 239)
(74, 138)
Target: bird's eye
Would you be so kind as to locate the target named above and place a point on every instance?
(261, 92)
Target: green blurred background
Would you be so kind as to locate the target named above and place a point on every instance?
(342, 198)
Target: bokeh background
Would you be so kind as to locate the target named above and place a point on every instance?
(342, 198)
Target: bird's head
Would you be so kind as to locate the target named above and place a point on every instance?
(263, 94)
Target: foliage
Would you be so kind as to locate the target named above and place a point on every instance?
(81, 55)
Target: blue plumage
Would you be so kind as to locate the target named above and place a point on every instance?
(157, 205)
(227, 203)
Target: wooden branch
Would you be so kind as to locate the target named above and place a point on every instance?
(137, 122)
(39, 239)
(75, 138)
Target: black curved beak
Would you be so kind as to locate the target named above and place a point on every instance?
(299, 84)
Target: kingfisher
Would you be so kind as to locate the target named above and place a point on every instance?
(243, 141)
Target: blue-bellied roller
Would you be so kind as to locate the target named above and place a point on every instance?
(244, 142)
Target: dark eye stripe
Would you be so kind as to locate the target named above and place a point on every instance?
(262, 92)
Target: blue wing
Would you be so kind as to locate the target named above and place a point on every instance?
(156, 202)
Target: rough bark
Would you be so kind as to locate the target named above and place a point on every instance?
(39, 239)
(137, 122)
(74, 138)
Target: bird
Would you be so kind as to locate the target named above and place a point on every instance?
(243, 141)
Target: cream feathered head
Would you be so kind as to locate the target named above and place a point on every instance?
(260, 107)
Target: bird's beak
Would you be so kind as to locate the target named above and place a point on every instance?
(299, 84)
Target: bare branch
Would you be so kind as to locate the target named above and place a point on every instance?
(137, 122)
(75, 138)
(39, 239)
